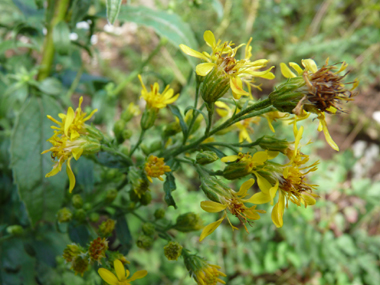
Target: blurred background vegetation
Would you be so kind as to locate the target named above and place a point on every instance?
(337, 241)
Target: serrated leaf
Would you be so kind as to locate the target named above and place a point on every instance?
(113, 9)
(123, 234)
(170, 186)
(170, 26)
(176, 112)
(42, 196)
(61, 38)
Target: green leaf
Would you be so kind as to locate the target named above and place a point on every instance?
(42, 196)
(218, 7)
(166, 25)
(79, 8)
(113, 9)
(176, 112)
(61, 38)
(123, 234)
(111, 160)
(170, 186)
(79, 233)
(51, 86)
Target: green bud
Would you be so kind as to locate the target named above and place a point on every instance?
(159, 214)
(131, 111)
(145, 149)
(131, 205)
(111, 195)
(127, 134)
(148, 229)
(106, 228)
(87, 206)
(113, 255)
(80, 264)
(77, 201)
(154, 146)
(172, 129)
(206, 157)
(236, 170)
(148, 118)
(15, 230)
(146, 198)
(123, 149)
(139, 183)
(133, 196)
(144, 241)
(188, 222)
(273, 144)
(64, 215)
(214, 188)
(94, 133)
(215, 85)
(94, 217)
(118, 129)
(172, 250)
(80, 215)
(72, 251)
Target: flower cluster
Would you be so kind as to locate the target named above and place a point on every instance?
(155, 167)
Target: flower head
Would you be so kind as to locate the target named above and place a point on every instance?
(97, 249)
(121, 277)
(155, 167)
(157, 100)
(203, 272)
(234, 203)
(222, 60)
(317, 91)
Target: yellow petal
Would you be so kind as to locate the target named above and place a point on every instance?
(119, 269)
(252, 215)
(327, 135)
(272, 154)
(91, 114)
(229, 158)
(278, 211)
(54, 120)
(342, 67)
(209, 38)
(260, 157)
(259, 198)
(192, 52)
(296, 67)
(286, 72)
(273, 191)
(308, 200)
(310, 65)
(212, 207)
(264, 184)
(77, 152)
(142, 83)
(69, 120)
(138, 275)
(237, 87)
(54, 171)
(203, 69)
(267, 74)
(70, 174)
(108, 276)
(245, 186)
(270, 124)
(209, 229)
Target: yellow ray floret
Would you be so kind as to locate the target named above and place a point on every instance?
(155, 167)
(121, 277)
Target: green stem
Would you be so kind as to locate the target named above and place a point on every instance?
(75, 83)
(195, 114)
(210, 110)
(60, 11)
(114, 151)
(138, 143)
(131, 76)
(221, 144)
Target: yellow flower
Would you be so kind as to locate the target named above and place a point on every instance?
(64, 150)
(155, 167)
(324, 89)
(273, 116)
(292, 184)
(156, 100)
(203, 272)
(121, 277)
(243, 126)
(234, 203)
(73, 123)
(223, 59)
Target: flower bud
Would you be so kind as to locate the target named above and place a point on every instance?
(94, 133)
(106, 228)
(188, 222)
(15, 230)
(87, 206)
(97, 249)
(172, 129)
(272, 144)
(146, 199)
(64, 215)
(214, 86)
(144, 241)
(236, 170)
(94, 217)
(172, 250)
(159, 214)
(145, 149)
(77, 201)
(113, 255)
(214, 188)
(80, 215)
(111, 195)
(127, 134)
(131, 111)
(206, 157)
(148, 118)
(118, 129)
(131, 205)
(80, 265)
(139, 183)
(72, 251)
(148, 229)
